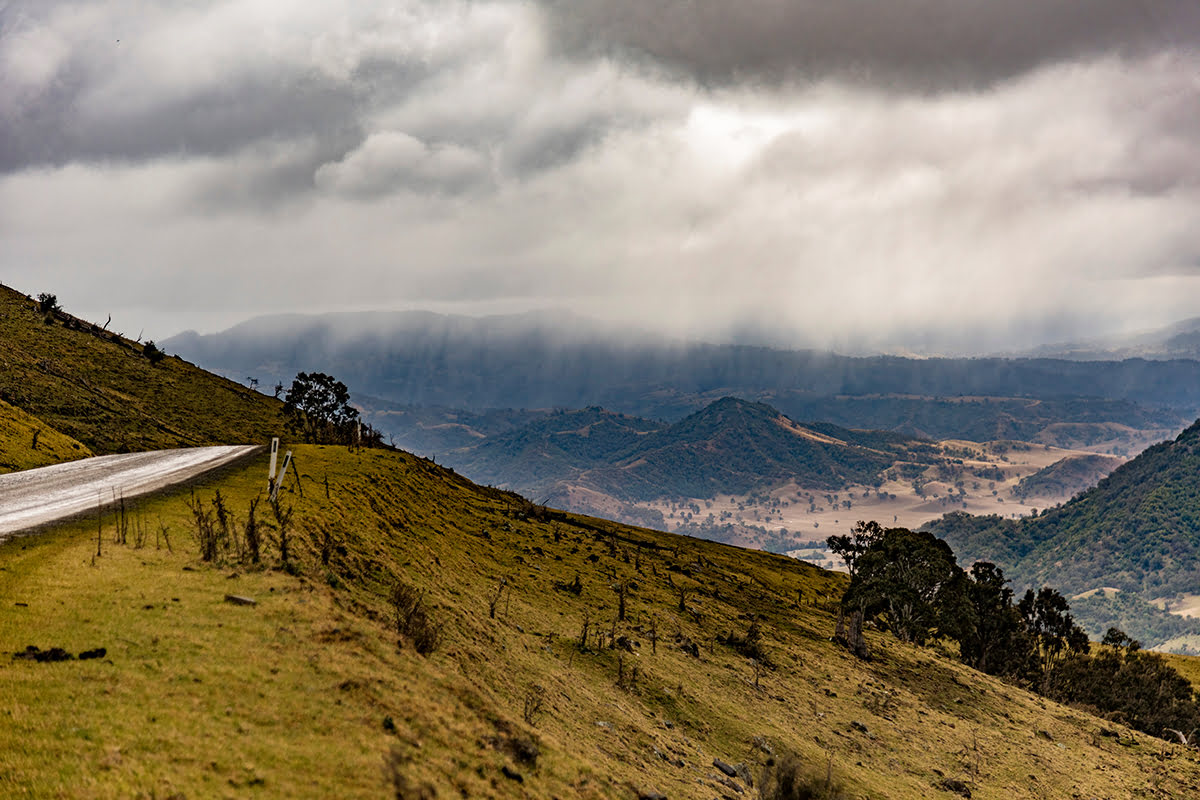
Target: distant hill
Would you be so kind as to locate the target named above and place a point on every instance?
(557, 447)
(1179, 340)
(1137, 530)
(106, 392)
(1067, 476)
(732, 446)
(560, 361)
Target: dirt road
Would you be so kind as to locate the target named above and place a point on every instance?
(38, 496)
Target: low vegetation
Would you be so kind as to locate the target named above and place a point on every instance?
(27, 442)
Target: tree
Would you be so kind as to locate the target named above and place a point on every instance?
(47, 303)
(1127, 684)
(849, 548)
(1052, 628)
(909, 580)
(152, 353)
(993, 638)
(318, 407)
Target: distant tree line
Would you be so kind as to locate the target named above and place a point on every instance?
(908, 583)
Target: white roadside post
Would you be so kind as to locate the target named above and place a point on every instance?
(287, 460)
(271, 474)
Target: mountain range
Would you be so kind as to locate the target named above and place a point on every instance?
(1178, 340)
(731, 446)
(539, 361)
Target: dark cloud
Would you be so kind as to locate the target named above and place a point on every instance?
(68, 122)
(927, 44)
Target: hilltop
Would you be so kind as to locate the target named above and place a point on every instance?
(1067, 476)
(112, 394)
(733, 446)
(730, 446)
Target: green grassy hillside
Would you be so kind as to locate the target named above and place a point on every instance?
(103, 391)
(1067, 476)
(27, 442)
(536, 688)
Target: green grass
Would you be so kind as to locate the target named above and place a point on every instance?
(288, 698)
(17, 451)
(99, 389)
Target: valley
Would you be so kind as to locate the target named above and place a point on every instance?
(979, 479)
(435, 636)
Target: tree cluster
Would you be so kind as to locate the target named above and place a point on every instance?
(317, 407)
(909, 584)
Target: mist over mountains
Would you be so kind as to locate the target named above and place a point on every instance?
(731, 446)
(540, 360)
(1179, 340)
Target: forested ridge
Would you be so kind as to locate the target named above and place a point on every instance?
(1138, 531)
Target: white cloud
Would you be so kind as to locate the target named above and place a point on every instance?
(394, 161)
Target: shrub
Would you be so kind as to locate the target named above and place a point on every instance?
(786, 777)
(533, 704)
(152, 353)
(412, 619)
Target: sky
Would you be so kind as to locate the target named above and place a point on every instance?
(927, 176)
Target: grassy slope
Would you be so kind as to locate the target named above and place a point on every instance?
(17, 430)
(102, 392)
(288, 698)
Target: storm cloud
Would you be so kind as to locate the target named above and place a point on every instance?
(924, 175)
(930, 44)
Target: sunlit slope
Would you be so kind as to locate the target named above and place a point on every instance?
(27, 442)
(307, 694)
(102, 390)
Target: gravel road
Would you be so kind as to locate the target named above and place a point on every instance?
(38, 496)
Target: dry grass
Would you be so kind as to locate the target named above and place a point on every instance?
(289, 697)
(18, 432)
(99, 389)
